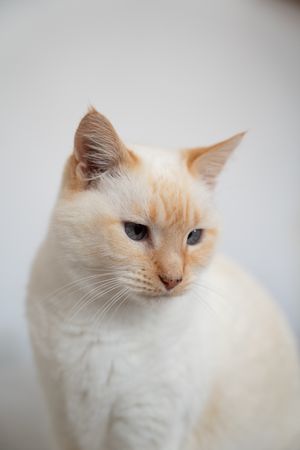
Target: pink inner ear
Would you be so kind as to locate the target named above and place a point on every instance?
(98, 147)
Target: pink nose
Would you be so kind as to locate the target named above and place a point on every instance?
(170, 283)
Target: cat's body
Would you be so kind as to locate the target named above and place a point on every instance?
(129, 366)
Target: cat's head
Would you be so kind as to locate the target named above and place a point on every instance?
(143, 216)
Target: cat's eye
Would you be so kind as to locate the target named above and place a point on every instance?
(194, 236)
(136, 231)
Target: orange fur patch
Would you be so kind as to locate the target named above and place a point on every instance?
(199, 255)
(132, 161)
(71, 183)
(171, 208)
(171, 204)
(153, 211)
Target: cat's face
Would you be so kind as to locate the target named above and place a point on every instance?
(142, 216)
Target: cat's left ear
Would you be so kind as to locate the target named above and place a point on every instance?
(207, 162)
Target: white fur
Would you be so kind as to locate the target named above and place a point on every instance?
(213, 369)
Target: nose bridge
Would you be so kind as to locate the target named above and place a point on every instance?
(169, 263)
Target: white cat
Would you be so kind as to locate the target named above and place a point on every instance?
(143, 339)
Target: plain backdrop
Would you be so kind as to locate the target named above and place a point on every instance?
(168, 73)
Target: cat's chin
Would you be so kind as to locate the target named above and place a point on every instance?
(150, 298)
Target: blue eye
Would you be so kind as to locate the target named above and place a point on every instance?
(136, 231)
(194, 236)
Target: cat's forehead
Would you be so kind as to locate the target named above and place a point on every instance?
(173, 197)
(171, 204)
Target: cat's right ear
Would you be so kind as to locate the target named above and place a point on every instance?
(97, 147)
(207, 162)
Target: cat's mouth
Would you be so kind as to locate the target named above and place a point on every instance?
(141, 285)
(160, 293)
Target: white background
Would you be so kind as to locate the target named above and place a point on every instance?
(166, 73)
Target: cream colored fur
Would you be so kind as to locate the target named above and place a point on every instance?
(214, 367)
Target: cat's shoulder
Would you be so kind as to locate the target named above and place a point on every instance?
(240, 290)
(232, 274)
(248, 307)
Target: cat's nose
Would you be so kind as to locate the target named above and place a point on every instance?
(169, 282)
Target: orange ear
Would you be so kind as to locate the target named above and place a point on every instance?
(207, 162)
(98, 147)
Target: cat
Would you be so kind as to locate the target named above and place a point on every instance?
(144, 337)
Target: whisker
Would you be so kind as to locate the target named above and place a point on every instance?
(203, 301)
(76, 284)
(118, 304)
(107, 307)
(68, 285)
(99, 293)
(221, 297)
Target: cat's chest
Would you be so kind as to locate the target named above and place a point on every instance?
(120, 363)
(124, 381)
(119, 356)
